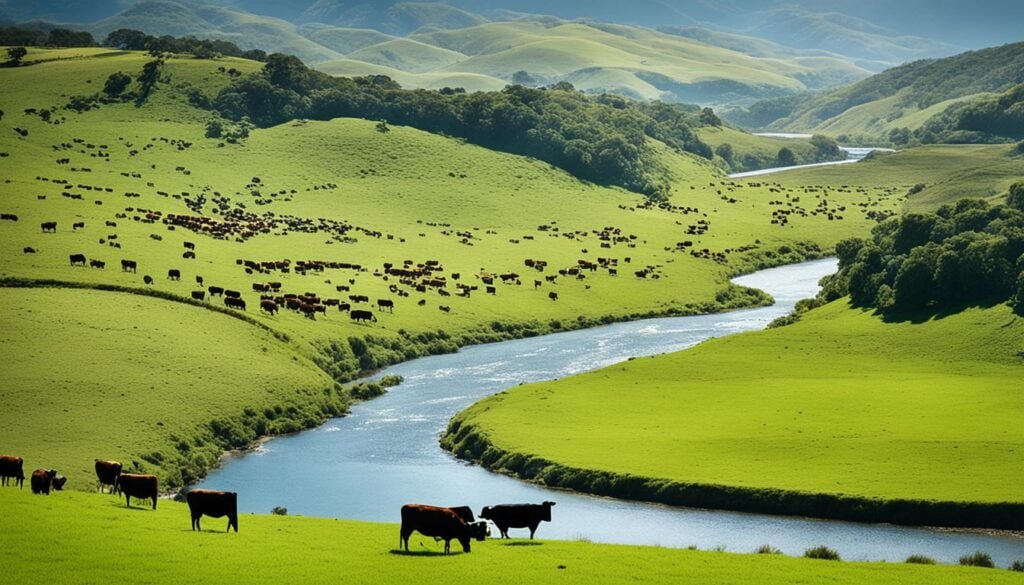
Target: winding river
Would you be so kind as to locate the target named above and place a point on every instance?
(385, 453)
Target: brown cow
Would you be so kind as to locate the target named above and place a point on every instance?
(139, 486)
(442, 523)
(268, 306)
(107, 473)
(41, 481)
(12, 468)
(215, 504)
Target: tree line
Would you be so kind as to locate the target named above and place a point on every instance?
(601, 138)
(128, 40)
(966, 253)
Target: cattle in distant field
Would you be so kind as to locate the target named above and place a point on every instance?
(444, 308)
(77, 225)
(234, 303)
(147, 279)
(97, 264)
(359, 315)
(128, 266)
(199, 295)
(174, 274)
(12, 468)
(58, 482)
(553, 296)
(232, 294)
(215, 504)
(42, 480)
(199, 280)
(441, 523)
(139, 486)
(49, 226)
(189, 255)
(8, 217)
(77, 260)
(385, 304)
(268, 306)
(507, 516)
(344, 307)
(107, 473)
(189, 245)
(216, 291)
(29, 250)
(492, 290)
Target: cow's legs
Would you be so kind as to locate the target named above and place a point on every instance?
(154, 501)
(403, 537)
(447, 546)
(533, 528)
(128, 500)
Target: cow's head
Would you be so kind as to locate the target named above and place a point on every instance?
(547, 510)
(486, 512)
(479, 530)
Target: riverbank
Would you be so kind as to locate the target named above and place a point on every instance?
(840, 416)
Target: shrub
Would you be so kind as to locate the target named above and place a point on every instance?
(767, 549)
(921, 560)
(822, 552)
(116, 84)
(279, 511)
(1017, 566)
(978, 559)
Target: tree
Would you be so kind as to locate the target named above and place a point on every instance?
(15, 55)
(62, 37)
(214, 129)
(1015, 196)
(725, 151)
(786, 158)
(116, 84)
(523, 78)
(708, 117)
(127, 39)
(382, 127)
(148, 78)
(1018, 299)
(826, 147)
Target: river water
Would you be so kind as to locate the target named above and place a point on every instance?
(853, 154)
(385, 453)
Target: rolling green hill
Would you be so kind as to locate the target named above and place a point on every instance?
(902, 97)
(274, 549)
(839, 415)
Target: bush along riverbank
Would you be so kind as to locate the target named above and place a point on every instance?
(467, 442)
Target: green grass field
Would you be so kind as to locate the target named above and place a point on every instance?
(839, 403)
(82, 538)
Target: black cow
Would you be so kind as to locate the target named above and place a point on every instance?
(358, 315)
(507, 516)
(76, 225)
(442, 523)
(49, 226)
(29, 250)
(174, 274)
(216, 291)
(386, 304)
(42, 480)
(97, 264)
(147, 279)
(553, 296)
(139, 486)
(128, 265)
(235, 302)
(199, 295)
(59, 481)
(77, 259)
(107, 473)
(12, 468)
(215, 504)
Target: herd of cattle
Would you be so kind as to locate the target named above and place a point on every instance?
(441, 523)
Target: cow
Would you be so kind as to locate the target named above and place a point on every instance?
(234, 302)
(49, 226)
(199, 280)
(42, 480)
(97, 264)
(215, 504)
(79, 224)
(464, 512)
(189, 246)
(441, 523)
(139, 486)
(216, 291)
(147, 279)
(12, 468)
(174, 274)
(128, 265)
(553, 296)
(8, 216)
(344, 307)
(491, 290)
(358, 315)
(199, 295)
(107, 473)
(232, 293)
(59, 481)
(507, 516)
(386, 304)
(77, 260)
(29, 250)
(189, 255)
(268, 306)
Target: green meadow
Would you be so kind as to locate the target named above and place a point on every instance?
(841, 403)
(81, 538)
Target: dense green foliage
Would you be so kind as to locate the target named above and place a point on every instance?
(58, 37)
(998, 118)
(133, 40)
(969, 252)
(601, 139)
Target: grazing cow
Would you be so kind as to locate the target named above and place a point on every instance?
(199, 295)
(189, 255)
(386, 304)
(199, 280)
(128, 265)
(553, 296)
(491, 290)
(445, 308)
(107, 473)
(41, 481)
(507, 516)
(147, 279)
(139, 486)
(12, 468)
(49, 226)
(216, 291)
(189, 246)
(441, 523)
(97, 264)
(215, 504)
(8, 216)
(358, 315)
(344, 307)
(268, 306)
(464, 512)
(29, 250)
(77, 260)
(59, 481)
(174, 274)
(233, 294)
(234, 303)
(76, 225)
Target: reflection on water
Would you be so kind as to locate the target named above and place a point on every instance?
(385, 453)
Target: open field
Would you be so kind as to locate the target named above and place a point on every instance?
(63, 533)
(841, 403)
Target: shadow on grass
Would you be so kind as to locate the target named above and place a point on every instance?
(919, 316)
(423, 553)
(523, 543)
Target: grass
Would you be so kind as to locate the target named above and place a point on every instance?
(841, 403)
(61, 532)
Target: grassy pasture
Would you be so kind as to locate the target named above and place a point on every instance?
(68, 533)
(840, 403)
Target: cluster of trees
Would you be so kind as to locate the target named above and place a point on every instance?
(597, 138)
(134, 40)
(970, 252)
(822, 149)
(59, 37)
(986, 120)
